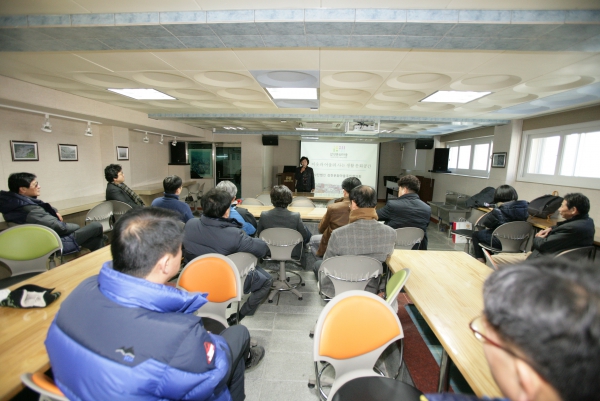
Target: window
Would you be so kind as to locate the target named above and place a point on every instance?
(566, 155)
(470, 157)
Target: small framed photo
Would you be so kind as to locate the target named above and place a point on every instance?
(122, 153)
(67, 153)
(499, 160)
(23, 151)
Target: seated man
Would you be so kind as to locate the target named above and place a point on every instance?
(540, 331)
(281, 217)
(408, 210)
(576, 231)
(172, 186)
(241, 215)
(20, 206)
(133, 337)
(116, 188)
(336, 216)
(216, 232)
(363, 235)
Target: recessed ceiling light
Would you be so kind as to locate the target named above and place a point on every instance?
(310, 137)
(314, 109)
(293, 93)
(307, 129)
(454, 96)
(143, 94)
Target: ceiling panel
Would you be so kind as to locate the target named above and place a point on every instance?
(374, 60)
(55, 62)
(126, 61)
(199, 60)
(283, 59)
(445, 61)
(131, 6)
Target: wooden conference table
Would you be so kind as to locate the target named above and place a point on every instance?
(446, 287)
(23, 331)
(306, 213)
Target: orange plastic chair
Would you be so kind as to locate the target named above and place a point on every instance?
(219, 277)
(352, 332)
(43, 385)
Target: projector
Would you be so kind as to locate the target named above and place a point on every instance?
(362, 128)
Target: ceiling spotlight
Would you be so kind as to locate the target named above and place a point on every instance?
(47, 127)
(161, 140)
(146, 139)
(174, 143)
(88, 131)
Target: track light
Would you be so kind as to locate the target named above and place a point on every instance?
(161, 140)
(146, 139)
(88, 131)
(174, 143)
(47, 127)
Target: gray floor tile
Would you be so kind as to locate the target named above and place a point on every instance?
(294, 322)
(295, 341)
(252, 389)
(260, 320)
(292, 309)
(309, 299)
(262, 338)
(288, 391)
(288, 366)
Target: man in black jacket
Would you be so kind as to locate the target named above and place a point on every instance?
(215, 232)
(576, 231)
(408, 210)
(20, 205)
(116, 188)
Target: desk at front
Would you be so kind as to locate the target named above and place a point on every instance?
(306, 213)
(446, 287)
(23, 331)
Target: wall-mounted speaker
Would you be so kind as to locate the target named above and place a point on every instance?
(440, 160)
(424, 143)
(178, 154)
(270, 140)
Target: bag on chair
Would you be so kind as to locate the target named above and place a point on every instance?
(545, 205)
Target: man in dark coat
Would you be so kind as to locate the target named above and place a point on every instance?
(20, 205)
(576, 231)
(216, 232)
(408, 210)
(116, 188)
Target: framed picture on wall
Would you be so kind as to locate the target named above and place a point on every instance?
(67, 153)
(499, 160)
(122, 153)
(23, 151)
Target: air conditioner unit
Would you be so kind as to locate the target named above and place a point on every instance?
(362, 128)
(321, 125)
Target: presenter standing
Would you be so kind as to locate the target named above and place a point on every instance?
(305, 177)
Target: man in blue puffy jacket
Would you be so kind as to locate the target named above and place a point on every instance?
(125, 335)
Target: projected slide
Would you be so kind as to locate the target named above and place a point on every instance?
(332, 162)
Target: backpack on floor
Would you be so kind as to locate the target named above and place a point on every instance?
(545, 205)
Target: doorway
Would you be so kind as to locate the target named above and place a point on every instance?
(228, 164)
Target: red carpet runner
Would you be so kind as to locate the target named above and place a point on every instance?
(423, 368)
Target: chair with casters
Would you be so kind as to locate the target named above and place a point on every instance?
(252, 202)
(352, 332)
(26, 248)
(407, 237)
(349, 272)
(468, 234)
(513, 236)
(376, 389)
(184, 194)
(265, 199)
(219, 277)
(103, 214)
(245, 263)
(281, 242)
(488, 259)
(302, 203)
(119, 209)
(586, 253)
(45, 386)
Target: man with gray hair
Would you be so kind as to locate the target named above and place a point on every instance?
(540, 331)
(241, 215)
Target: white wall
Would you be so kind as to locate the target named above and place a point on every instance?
(390, 159)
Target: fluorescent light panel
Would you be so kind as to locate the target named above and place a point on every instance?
(143, 94)
(307, 129)
(454, 96)
(293, 93)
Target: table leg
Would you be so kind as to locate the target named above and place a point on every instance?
(444, 373)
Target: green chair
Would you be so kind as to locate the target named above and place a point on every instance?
(392, 289)
(26, 248)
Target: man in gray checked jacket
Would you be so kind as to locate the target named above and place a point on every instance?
(362, 236)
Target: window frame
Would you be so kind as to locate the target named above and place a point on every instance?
(556, 179)
(470, 172)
